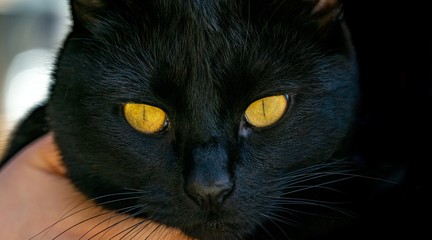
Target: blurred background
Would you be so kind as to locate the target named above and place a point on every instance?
(30, 33)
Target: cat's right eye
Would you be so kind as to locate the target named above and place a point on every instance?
(266, 111)
(145, 118)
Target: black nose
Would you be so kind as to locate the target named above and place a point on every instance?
(208, 181)
(209, 196)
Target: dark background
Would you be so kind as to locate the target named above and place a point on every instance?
(393, 44)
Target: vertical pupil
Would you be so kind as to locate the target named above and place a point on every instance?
(144, 114)
(263, 107)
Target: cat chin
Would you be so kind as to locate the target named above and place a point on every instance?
(218, 231)
(211, 226)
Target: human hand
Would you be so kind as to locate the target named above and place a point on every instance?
(38, 201)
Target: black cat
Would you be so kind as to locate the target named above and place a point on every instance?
(225, 119)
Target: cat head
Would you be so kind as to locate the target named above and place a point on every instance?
(201, 115)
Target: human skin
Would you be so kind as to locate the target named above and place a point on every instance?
(38, 201)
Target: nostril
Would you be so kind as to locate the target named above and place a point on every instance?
(220, 198)
(200, 200)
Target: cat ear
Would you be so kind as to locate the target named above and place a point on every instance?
(85, 11)
(324, 12)
(320, 13)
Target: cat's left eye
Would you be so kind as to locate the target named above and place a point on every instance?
(266, 111)
(145, 118)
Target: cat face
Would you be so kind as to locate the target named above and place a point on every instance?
(201, 115)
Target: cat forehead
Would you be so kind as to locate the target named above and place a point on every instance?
(195, 62)
(195, 29)
(208, 47)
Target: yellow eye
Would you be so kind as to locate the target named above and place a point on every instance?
(145, 118)
(266, 111)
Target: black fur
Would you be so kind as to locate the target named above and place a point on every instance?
(204, 62)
